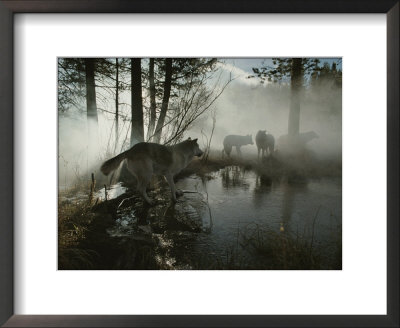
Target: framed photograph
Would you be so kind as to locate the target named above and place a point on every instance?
(199, 164)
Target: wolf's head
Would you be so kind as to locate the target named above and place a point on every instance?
(194, 146)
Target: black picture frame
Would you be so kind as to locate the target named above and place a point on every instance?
(10, 7)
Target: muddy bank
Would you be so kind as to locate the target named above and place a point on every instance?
(125, 233)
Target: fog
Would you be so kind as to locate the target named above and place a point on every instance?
(245, 107)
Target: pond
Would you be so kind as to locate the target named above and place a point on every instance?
(237, 219)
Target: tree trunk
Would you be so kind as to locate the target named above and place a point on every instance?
(296, 82)
(92, 120)
(116, 101)
(152, 120)
(136, 102)
(165, 101)
(90, 90)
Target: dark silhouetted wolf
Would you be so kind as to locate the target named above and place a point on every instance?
(297, 143)
(265, 143)
(145, 159)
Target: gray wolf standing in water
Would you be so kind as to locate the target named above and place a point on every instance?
(145, 159)
(237, 141)
(265, 143)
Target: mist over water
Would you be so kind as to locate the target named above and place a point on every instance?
(245, 107)
(280, 211)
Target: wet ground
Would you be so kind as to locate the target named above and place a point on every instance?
(230, 219)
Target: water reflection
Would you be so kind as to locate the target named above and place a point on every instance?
(262, 188)
(233, 177)
(215, 213)
(111, 192)
(289, 195)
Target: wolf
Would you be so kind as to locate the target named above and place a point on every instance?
(306, 137)
(145, 159)
(237, 141)
(265, 143)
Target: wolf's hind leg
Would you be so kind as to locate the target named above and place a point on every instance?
(143, 182)
(238, 151)
(143, 172)
(228, 151)
(170, 180)
(142, 190)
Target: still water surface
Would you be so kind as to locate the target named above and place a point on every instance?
(248, 221)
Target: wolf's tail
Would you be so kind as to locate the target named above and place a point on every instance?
(112, 164)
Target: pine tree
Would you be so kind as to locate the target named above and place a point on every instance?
(165, 101)
(293, 70)
(137, 134)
